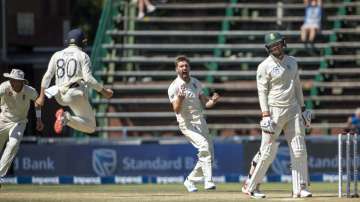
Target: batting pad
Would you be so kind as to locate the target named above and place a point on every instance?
(299, 164)
(267, 155)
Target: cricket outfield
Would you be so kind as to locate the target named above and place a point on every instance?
(156, 192)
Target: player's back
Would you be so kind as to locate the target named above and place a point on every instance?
(69, 64)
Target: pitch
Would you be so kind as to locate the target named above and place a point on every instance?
(155, 192)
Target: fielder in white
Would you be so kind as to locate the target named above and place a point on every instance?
(282, 105)
(187, 99)
(72, 70)
(15, 96)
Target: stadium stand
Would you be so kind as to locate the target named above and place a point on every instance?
(224, 42)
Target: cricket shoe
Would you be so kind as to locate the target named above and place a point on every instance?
(256, 194)
(60, 121)
(190, 186)
(303, 194)
(209, 185)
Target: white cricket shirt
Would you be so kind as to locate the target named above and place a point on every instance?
(15, 106)
(278, 83)
(191, 107)
(67, 64)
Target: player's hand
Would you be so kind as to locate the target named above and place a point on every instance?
(215, 97)
(107, 93)
(39, 125)
(267, 125)
(306, 117)
(181, 92)
(40, 101)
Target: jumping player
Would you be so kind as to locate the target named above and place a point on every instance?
(72, 70)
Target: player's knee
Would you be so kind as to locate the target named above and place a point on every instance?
(268, 152)
(300, 153)
(204, 146)
(204, 155)
(299, 147)
(89, 130)
(90, 127)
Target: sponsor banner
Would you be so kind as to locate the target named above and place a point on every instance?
(231, 159)
(121, 160)
(149, 179)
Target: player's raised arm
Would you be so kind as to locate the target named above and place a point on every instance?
(176, 97)
(209, 102)
(91, 81)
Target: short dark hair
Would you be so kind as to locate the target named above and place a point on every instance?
(181, 58)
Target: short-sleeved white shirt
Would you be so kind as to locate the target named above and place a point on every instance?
(191, 107)
(15, 106)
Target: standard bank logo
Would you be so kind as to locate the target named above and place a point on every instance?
(104, 161)
(281, 164)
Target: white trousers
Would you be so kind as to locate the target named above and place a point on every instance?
(84, 116)
(11, 133)
(197, 132)
(289, 120)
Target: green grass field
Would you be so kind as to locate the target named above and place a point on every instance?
(154, 192)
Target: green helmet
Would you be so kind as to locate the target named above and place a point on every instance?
(273, 37)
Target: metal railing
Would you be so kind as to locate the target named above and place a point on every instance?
(110, 9)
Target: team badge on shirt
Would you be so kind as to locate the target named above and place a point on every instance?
(10, 93)
(275, 71)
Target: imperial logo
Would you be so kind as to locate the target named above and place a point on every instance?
(104, 161)
(280, 165)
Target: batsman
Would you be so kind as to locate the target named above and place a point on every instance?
(282, 106)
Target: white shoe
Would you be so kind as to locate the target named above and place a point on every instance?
(190, 186)
(256, 194)
(209, 186)
(303, 194)
(150, 8)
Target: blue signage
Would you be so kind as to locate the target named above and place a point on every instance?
(124, 160)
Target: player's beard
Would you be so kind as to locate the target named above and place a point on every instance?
(185, 76)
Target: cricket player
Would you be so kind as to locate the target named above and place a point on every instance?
(15, 97)
(282, 105)
(72, 70)
(187, 99)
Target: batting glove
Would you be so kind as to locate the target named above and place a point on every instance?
(267, 125)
